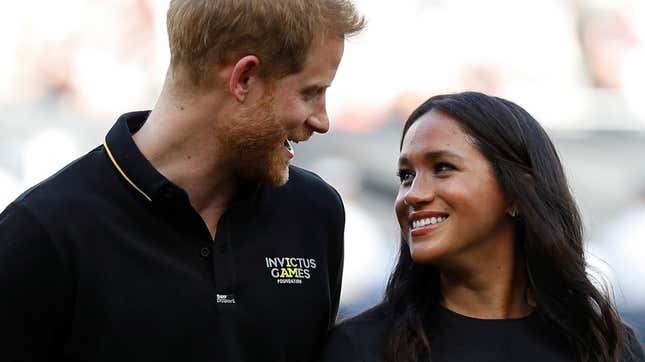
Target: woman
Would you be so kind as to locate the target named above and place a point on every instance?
(491, 264)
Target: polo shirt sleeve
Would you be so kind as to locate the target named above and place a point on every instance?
(336, 260)
(31, 284)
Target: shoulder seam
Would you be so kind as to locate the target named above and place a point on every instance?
(33, 188)
(43, 228)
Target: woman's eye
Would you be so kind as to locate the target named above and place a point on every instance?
(441, 167)
(405, 175)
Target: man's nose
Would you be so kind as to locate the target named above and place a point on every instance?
(319, 123)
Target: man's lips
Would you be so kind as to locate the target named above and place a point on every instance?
(289, 148)
(289, 141)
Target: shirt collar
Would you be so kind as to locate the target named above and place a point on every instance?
(139, 173)
(128, 159)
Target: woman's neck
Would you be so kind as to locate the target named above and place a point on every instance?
(494, 289)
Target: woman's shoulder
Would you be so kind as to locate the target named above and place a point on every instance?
(359, 338)
(370, 323)
(379, 313)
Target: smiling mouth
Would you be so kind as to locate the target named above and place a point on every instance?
(289, 148)
(425, 225)
(421, 223)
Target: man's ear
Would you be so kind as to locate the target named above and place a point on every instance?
(244, 70)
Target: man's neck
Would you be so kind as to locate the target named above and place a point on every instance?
(178, 140)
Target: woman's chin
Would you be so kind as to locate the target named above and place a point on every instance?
(423, 253)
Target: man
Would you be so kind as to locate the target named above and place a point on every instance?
(187, 236)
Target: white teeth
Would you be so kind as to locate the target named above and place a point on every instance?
(427, 221)
(289, 147)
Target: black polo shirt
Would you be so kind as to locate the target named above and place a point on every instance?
(108, 261)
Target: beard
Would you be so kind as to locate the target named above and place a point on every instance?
(254, 143)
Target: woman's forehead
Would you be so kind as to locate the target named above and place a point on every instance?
(435, 129)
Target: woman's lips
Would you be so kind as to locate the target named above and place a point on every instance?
(424, 222)
(423, 230)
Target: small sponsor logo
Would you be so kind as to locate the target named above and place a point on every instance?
(290, 270)
(226, 299)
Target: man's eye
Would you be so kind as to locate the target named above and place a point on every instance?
(312, 93)
(405, 175)
(307, 96)
(441, 167)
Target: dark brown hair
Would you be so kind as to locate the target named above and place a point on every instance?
(548, 231)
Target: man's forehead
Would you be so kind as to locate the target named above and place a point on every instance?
(318, 71)
(324, 56)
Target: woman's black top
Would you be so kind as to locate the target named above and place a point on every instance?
(458, 338)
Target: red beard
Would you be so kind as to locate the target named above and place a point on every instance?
(254, 143)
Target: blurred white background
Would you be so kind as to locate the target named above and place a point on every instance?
(69, 68)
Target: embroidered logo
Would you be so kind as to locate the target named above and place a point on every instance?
(289, 270)
(226, 298)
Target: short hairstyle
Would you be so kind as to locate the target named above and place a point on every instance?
(208, 33)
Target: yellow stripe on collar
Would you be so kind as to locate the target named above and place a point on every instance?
(123, 173)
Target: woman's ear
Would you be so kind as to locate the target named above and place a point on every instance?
(512, 210)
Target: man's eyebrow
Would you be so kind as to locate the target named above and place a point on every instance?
(314, 88)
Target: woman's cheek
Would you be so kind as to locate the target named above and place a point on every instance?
(401, 215)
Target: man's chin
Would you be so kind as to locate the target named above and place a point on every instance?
(277, 176)
(274, 175)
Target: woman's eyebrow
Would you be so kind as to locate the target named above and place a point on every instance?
(403, 160)
(443, 153)
(432, 155)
